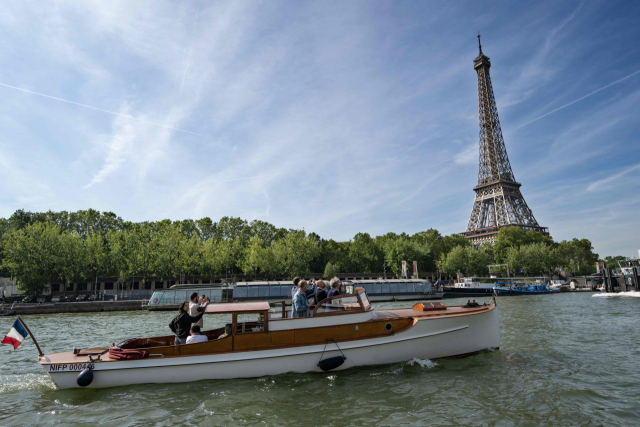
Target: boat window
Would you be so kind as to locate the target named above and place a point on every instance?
(365, 300)
(254, 291)
(376, 288)
(386, 288)
(156, 298)
(285, 290)
(419, 287)
(367, 287)
(249, 323)
(346, 303)
(264, 291)
(240, 292)
(409, 288)
(393, 288)
(274, 291)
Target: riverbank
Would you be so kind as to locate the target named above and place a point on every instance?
(76, 307)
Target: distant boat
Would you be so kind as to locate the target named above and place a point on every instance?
(509, 288)
(470, 287)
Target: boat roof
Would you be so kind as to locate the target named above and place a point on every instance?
(238, 307)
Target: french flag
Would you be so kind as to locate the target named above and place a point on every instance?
(16, 335)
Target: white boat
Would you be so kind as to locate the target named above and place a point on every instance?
(343, 332)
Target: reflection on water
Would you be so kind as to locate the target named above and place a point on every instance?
(565, 359)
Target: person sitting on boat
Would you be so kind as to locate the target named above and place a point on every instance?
(193, 308)
(320, 293)
(181, 324)
(196, 336)
(335, 287)
(300, 305)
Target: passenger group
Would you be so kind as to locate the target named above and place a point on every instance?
(188, 324)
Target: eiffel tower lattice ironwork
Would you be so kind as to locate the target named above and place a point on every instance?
(498, 202)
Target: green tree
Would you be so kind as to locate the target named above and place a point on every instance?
(466, 261)
(253, 259)
(364, 255)
(31, 254)
(453, 241)
(96, 257)
(577, 256)
(405, 249)
(71, 258)
(294, 253)
(330, 271)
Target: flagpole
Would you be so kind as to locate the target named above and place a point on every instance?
(32, 337)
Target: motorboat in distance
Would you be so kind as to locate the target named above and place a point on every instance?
(262, 339)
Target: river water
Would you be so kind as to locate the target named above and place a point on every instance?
(565, 359)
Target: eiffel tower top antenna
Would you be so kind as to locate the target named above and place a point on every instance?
(479, 45)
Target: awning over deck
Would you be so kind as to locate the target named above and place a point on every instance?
(238, 307)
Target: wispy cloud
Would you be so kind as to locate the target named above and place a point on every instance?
(602, 184)
(579, 99)
(97, 109)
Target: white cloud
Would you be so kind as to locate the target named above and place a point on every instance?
(613, 180)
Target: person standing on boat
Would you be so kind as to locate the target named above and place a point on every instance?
(300, 305)
(335, 287)
(181, 324)
(320, 292)
(193, 308)
(294, 290)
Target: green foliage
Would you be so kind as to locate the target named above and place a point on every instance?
(330, 271)
(577, 256)
(515, 237)
(32, 254)
(453, 241)
(466, 261)
(43, 248)
(534, 259)
(364, 255)
(405, 249)
(612, 261)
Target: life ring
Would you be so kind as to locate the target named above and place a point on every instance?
(512, 287)
(155, 300)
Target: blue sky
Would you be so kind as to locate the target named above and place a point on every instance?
(335, 117)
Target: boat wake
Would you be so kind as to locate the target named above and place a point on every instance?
(31, 382)
(630, 294)
(425, 363)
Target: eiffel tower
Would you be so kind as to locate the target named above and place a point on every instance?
(498, 202)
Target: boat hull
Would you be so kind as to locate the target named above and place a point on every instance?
(511, 292)
(426, 339)
(450, 292)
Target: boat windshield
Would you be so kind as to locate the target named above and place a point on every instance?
(338, 304)
(365, 300)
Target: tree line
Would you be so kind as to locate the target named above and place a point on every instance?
(527, 253)
(69, 247)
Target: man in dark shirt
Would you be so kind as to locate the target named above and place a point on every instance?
(335, 287)
(320, 293)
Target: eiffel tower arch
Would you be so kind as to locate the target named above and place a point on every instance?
(498, 202)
